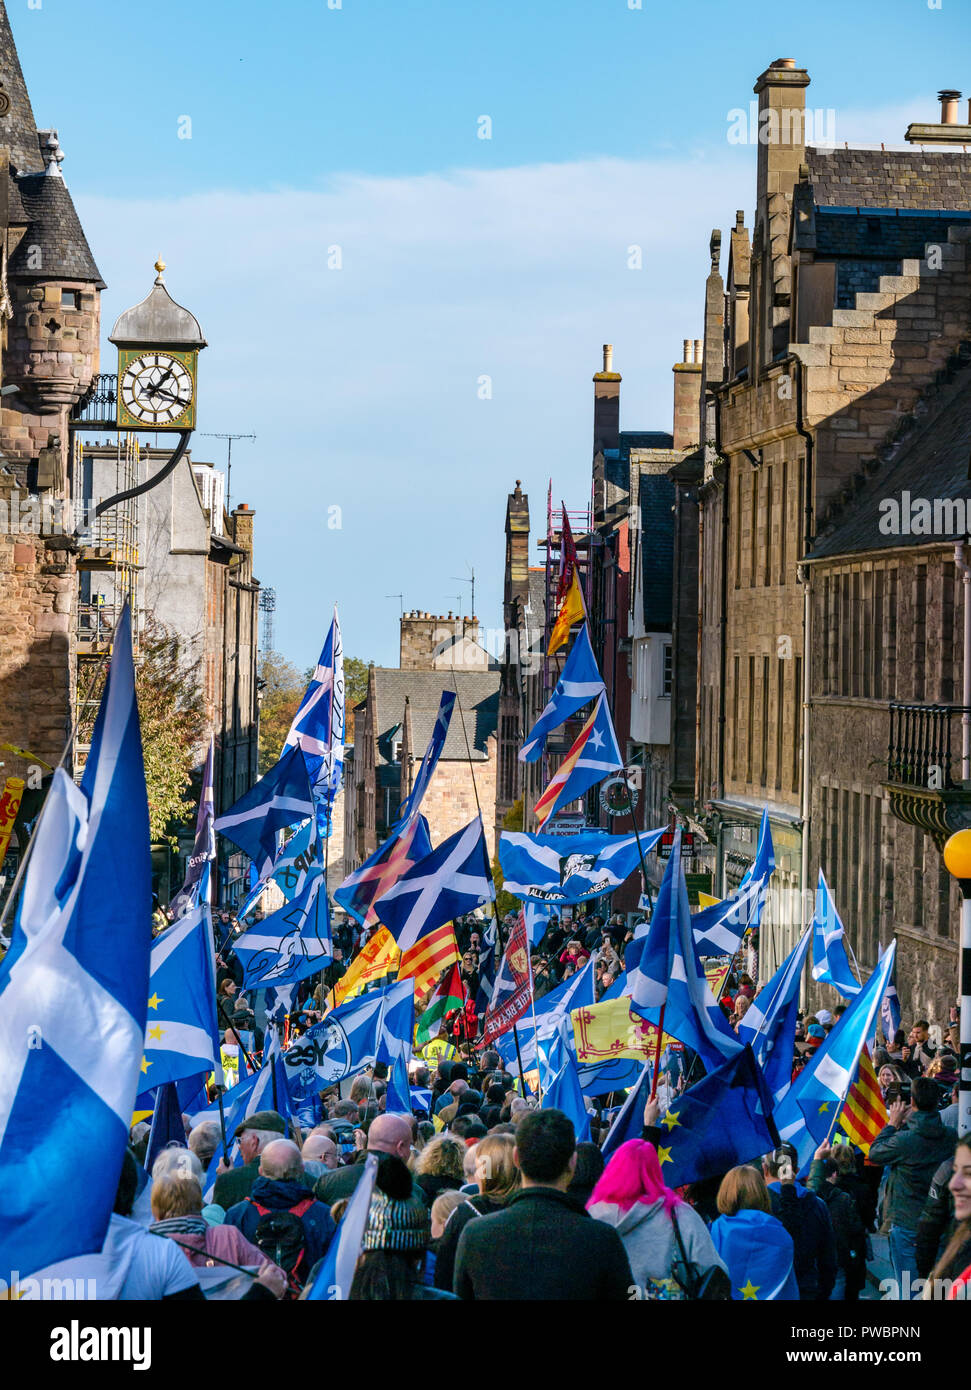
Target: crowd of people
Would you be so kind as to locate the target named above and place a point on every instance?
(483, 1193)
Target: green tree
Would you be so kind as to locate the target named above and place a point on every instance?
(505, 902)
(355, 689)
(282, 690)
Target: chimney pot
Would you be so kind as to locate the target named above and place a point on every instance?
(687, 350)
(949, 99)
(608, 357)
(783, 63)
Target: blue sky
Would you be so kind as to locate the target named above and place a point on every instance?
(461, 258)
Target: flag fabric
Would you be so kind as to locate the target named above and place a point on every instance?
(428, 957)
(513, 989)
(569, 868)
(808, 1113)
(196, 883)
(537, 920)
(397, 1100)
(572, 610)
(580, 682)
(864, 1115)
(664, 972)
(487, 966)
(429, 762)
(181, 1032)
(335, 1276)
(548, 1013)
(890, 1012)
(295, 861)
(608, 1031)
(292, 943)
(73, 986)
(719, 929)
(454, 879)
(449, 995)
(769, 1025)
(167, 1127)
(351, 1038)
(568, 556)
(379, 956)
(561, 1083)
(629, 1120)
(279, 799)
(318, 727)
(594, 755)
(830, 963)
(721, 1121)
(383, 868)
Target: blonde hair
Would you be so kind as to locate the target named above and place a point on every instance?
(176, 1194)
(743, 1189)
(445, 1203)
(495, 1166)
(442, 1156)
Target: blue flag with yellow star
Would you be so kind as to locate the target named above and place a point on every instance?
(721, 1121)
(181, 1037)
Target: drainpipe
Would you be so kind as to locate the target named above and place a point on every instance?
(964, 570)
(803, 573)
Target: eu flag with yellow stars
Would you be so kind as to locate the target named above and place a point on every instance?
(181, 1037)
(721, 1121)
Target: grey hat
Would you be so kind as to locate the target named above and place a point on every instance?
(262, 1119)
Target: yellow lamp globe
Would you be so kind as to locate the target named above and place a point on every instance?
(957, 854)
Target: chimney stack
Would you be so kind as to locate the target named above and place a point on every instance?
(687, 396)
(606, 404)
(948, 130)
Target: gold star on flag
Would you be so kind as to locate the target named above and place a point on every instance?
(824, 1107)
(670, 1119)
(145, 1064)
(154, 1002)
(155, 1033)
(750, 1290)
(664, 1155)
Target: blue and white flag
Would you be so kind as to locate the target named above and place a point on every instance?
(665, 973)
(719, 929)
(372, 1028)
(318, 727)
(770, 1022)
(890, 1011)
(297, 860)
(279, 799)
(429, 762)
(335, 1275)
(537, 920)
(830, 963)
(487, 966)
(405, 848)
(181, 1032)
(595, 755)
(810, 1109)
(561, 1083)
(580, 682)
(292, 943)
(397, 1099)
(629, 1120)
(454, 879)
(569, 868)
(73, 991)
(197, 886)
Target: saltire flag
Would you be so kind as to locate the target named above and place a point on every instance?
(487, 966)
(537, 920)
(318, 727)
(580, 682)
(629, 1120)
(359, 1033)
(569, 868)
(397, 1098)
(864, 1115)
(808, 1113)
(428, 957)
(830, 963)
(561, 1082)
(429, 762)
(723, 1120)
(197, 885)
(181, 1032)
(296, 859)
(448, 995)
(513, 989)
(73, 991)
(292, 943)
(335, 1273)
(890, 1012)
(572, 610)
(454, 879)
(769, 1024)
(594, 756)
(279, 799)
(382, 870)
(378, 957)
(719, 929)
(665, 973)
(548, 1013)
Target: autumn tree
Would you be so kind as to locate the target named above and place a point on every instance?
(282, 690)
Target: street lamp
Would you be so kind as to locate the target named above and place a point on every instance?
(957, 860)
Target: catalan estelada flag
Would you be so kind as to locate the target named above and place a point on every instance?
(429, 956)
(864, 1115)
(571, 611)
(592, 758)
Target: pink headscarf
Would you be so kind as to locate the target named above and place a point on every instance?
(633, 1175)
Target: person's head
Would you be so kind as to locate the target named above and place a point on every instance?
(390, 1134)
(634, 1175)
(845, 1160)
(924, 1094)
(177, 1162)
(780, 1163)
(280, 1161)
(495, 1170)
(176, 1194)
(460, 1071)
(253, 1134)
(362, 1089)
(347, 1110)
(395, 1239)
(949, 1063)
(546, 1149)
(228, 988)
(920, 1031)
(586, 1175)
(742, 1005)
(204, 1141)
(888, 1074)
(960, 1182)
(458, 1088)
(442, 1157)
(442, 1208)
(319, 1148)
(743, 1189)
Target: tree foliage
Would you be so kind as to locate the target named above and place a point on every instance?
(282, 691)
(505, 902)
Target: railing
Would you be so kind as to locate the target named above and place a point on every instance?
(100, 404)
(921, 741)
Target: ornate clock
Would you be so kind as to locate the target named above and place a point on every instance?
(158, 345)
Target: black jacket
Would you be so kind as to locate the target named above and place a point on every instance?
(543, 1246)
(806, 1219)
(936, 1221)
(848, 1229)
(447, 1246)
(913, 1153)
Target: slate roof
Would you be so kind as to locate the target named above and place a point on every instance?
(932, 464)
(919, 178)
(657, 550)
(54, 226)
(883, 233)
(478, 693)
(18, 129)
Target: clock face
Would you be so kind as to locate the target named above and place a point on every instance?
(156, 389)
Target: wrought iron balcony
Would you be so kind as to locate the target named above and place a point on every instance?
(99, 405)
(924, 769)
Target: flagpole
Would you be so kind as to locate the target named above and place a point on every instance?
(640, 851)
(222, 1124)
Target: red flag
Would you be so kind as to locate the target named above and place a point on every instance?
(568, 559)
(513, 991)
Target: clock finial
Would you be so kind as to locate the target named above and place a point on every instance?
(159, 266)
